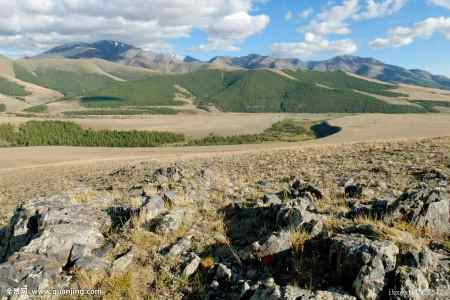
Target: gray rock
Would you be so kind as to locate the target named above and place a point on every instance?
(271, 199)
(276, 243)
(333, 295)
(49, 235)
(152, 208)
(302, 189)
(181, 246)
(121, 264)
(410, 283)
(291, 292)
(192, 264)
(423, 207)
(267, 294)
(244, 287)
(269, 282)
(163, 175)
(351, 261)
(169, 222)
(374, 209)
(214, 284)
(93, 264)
(424, 259)
(370, 281)
(223, 273)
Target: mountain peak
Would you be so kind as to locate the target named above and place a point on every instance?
(104, 49)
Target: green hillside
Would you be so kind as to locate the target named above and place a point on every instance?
(70, 83)
(342, 80)
(10, 88)
(251, 91)
(158, 90)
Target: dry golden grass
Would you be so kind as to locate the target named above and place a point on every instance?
(405, 235)
(298, 239)
(423, 93)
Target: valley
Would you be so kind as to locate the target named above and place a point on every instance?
(360, 128)
(144, 175)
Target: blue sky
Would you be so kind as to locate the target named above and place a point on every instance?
(409, 33)
(429, 53)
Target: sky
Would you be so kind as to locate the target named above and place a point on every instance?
(409, 33)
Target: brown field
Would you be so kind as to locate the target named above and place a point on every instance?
(198, 125)
(355, 128)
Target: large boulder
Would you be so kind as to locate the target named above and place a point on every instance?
(151, 208)
(351, 261)
(423, 207)
(48, 237)
(169, 222)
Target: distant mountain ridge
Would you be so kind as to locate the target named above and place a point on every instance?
(108, 50)
(169, 63)
(367, 67)
(122, 53)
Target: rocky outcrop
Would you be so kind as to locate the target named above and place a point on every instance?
(280, 246)
(351, 261)
(423, 207)
(358, 263)
(48, 237)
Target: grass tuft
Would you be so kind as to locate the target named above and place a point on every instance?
(37, 109)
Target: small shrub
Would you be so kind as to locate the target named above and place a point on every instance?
(37, 109)
(7, 134)
(287, 130)
(11, 88)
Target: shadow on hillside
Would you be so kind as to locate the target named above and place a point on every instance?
(324, 129)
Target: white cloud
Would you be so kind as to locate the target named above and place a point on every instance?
(334, 19)
(403, 36)
(231, 29)
(379, 9)
(313, 45)
(288, 16)
(40, 24)
(443, 3)
(306, 13)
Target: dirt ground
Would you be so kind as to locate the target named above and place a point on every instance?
(355, 128)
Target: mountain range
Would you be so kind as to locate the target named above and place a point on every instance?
(111, 75)
(123, 53)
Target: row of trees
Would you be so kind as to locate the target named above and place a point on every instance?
(58, 133)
